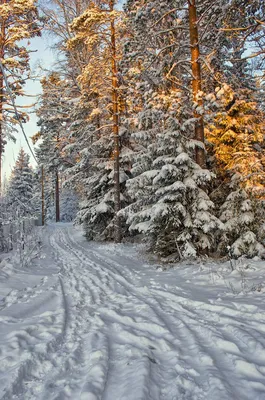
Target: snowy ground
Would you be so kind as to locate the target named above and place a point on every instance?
(90, 322)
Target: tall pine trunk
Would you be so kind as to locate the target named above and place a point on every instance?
(115, 131)
(42, 198)
(57, 197)
(196, 80)
(2, 44)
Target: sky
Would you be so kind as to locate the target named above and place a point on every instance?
(43, 56)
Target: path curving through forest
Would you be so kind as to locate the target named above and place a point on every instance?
(99, 323)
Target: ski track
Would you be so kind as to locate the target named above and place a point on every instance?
(109, 337)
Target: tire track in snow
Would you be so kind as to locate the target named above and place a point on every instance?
(22, 296)
(120, 340)
(34, 364)
(142, 296)
(236, 339)
(221, 360)
(97, 279)
(141, 343)
(37, 362)
(67, 381)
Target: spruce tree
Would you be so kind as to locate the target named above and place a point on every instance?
(235, 137)
(170, 205)
(243, 219)
(20, 191)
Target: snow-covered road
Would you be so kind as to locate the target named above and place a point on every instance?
(96, 322)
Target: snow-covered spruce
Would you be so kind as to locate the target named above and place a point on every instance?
(20, 192)
(244, 231)
(97, 209)
(169, 204)
(68, 205)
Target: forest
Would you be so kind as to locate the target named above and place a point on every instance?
(151, 122)
(132, 219)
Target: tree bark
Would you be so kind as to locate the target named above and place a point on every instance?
(2, 46)
(117, 196)
(196, 81)
(57, 198)
(42, 198)
(78, 7)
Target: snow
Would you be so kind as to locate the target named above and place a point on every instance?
(98, 321)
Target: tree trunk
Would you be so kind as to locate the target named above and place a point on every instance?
(97, 117)
(115, 131)
(2, 46)
(196, 81)
(78, 7)
(57, 198)
(1, 130)
(42, 198)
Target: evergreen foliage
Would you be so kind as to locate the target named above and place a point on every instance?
(20, 193)
(19, 22)
(180, 209)
(244, 232)
(68, 205)
(237, 135)
(170, 205)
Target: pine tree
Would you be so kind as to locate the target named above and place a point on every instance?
(160, 53)
(96, 31)
(248, 26)
(94, 28)
(18, 22)
(53, 116)
(94, 172)
(164, 192)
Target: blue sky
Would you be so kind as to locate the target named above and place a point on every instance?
(44, 57)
